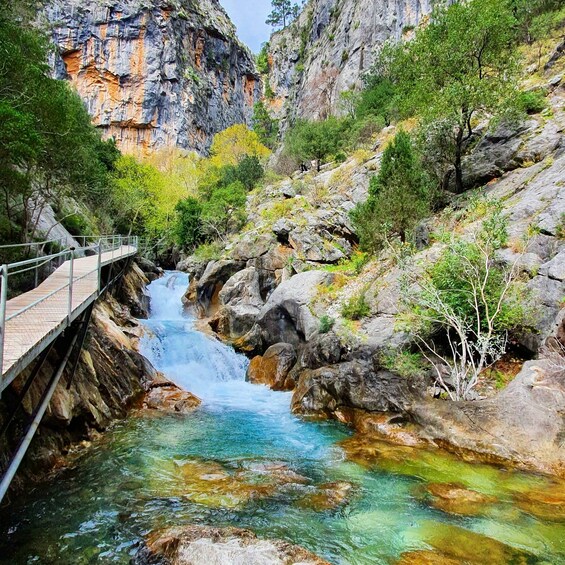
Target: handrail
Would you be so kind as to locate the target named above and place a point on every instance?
(104, 244)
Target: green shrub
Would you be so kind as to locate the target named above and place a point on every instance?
(532, 102)
(340, 157)
(188, 224)
(356, 308)
(75, 224)
(211, 251)
(404, 363)
(326, 324)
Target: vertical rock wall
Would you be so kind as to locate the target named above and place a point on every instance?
(156, 73)
(328, 49)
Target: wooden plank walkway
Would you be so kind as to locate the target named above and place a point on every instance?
(29, 332)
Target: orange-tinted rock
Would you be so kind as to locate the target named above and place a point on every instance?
(272, 369)
(147, 74)
(547, 504)
(426, 557)
(456, 499)
(169, 397)
(327, 496)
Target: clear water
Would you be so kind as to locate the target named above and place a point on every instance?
(242, 459)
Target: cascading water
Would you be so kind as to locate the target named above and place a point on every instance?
(241, 459)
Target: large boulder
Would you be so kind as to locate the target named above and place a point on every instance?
(523, 424)
(286, 316)
(272, 368)
(211, 282)
(206, 545)
(241, 302)
(354, 384)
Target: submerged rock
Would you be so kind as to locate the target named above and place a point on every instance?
(456, 499)
(205, 545)
(328, 496)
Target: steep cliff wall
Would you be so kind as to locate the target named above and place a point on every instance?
(155, 73)
(329, 47)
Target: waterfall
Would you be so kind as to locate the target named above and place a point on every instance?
(197, 362)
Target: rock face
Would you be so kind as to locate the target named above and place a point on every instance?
(329, 47)
(110, 376)
(273, 367)
(203, 545)
(155, 74)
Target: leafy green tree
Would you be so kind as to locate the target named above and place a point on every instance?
(264, 126)
(399, 196)
(377, 99)
(284, 11)
(458, 69)
(188, 224)
(262, 59)
(315, 140)
(224, 212)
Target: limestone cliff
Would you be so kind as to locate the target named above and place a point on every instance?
(329, 47)
(154, 73)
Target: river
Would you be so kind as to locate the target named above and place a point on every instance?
(242, 459)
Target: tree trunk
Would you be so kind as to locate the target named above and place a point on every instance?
(458, 165)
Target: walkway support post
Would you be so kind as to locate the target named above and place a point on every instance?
(99, 266)
(3, 300)
(71, 277)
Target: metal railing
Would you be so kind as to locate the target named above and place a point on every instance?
(28, 274)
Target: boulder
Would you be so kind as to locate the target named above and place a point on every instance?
(311, 247)
(241, 302)
(321, 350)
(354, 384)
(206, 545)
(211, 282)
(272, 368)
(286, 316)
(168, 397)
(252, 244)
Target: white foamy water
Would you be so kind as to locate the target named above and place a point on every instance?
(199, 363)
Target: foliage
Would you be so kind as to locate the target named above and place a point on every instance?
(356, 308)
(377, 99)
(315, 140)
(211, 251)
(532, 102)
(48, 147)
(326, 324)
(235, 143)
(404, 363)
(399, 197)
(264, 126)
(188, 224)
(284, 11)
(262, 59)
(470, 297)
(460, 68)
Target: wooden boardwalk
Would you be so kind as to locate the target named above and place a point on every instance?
(36, 318)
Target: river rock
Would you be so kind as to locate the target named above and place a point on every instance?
(211, 282)
(205, 545)
(273, 367)
(456, 499)
(166, 396)
(354, 384)
(241, 302)
(286, 316)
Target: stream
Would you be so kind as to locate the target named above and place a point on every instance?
(242, 459)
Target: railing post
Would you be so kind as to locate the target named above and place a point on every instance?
(36, 276)
(99, 266)
(71, 277)
(3, 300)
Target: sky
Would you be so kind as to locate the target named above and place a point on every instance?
(249, 16)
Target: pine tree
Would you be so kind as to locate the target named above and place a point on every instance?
(284, 11)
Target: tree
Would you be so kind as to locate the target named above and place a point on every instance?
(224, 211)
(399, 197)
(235, 143)
(315, 140)
(264, 126)
(458, 69)
(472, 298)
(188, 224)
(284, 11)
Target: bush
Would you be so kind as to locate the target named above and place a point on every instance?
(356, 308)
(532, 102)
(404, 363)
(326, 324)
(188, 225)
